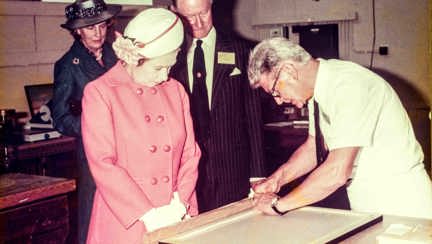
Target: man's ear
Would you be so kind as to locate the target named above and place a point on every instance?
(291, 69)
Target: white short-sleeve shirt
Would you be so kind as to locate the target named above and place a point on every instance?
(360, 109)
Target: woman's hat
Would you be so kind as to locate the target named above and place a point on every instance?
(83, 13)
(155, 32)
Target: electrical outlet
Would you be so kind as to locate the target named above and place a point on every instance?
(276, 32)
(383, 50)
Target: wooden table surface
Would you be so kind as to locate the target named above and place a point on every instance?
(17, 189)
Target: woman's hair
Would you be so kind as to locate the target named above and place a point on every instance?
(269, 53)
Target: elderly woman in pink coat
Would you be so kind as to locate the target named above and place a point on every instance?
(138, 135)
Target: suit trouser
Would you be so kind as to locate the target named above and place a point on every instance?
(214, 192)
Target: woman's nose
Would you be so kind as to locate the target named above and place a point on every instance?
(98, 32)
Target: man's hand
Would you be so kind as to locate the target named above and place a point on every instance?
(262, 202)
(268, 185)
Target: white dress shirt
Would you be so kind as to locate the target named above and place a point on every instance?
(208, 45)
(359, 109)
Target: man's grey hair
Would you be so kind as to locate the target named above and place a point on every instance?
(270, 53)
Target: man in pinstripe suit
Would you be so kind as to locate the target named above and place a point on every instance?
(231, 143)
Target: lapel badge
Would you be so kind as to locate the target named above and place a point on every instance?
(75, 61)
(226, 58)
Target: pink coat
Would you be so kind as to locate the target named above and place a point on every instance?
(141, 148)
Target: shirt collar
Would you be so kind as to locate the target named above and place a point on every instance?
(209, 40)
(322, 77)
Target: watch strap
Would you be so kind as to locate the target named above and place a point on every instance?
(273, 206)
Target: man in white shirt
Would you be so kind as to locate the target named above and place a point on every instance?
(371, 143)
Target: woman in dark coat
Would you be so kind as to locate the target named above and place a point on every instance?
(89, 57)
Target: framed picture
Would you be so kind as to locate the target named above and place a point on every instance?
(37, 96)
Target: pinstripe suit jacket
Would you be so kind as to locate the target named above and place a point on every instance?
(234, 150)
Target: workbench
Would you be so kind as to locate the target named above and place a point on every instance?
(240, 223)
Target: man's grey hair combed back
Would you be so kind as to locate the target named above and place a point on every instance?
(271, 52)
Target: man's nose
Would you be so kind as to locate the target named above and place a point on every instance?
(198, 22)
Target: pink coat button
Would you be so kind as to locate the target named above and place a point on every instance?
(167, 148)
(153, 181)
(139, 91)
(153, 90)
(147, 118)
(153, 148)
(160, 118)
(165, 179)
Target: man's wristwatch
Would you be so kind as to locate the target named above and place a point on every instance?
(273, 206)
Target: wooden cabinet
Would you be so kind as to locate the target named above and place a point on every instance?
(34, 209)
(54, 157)
(33, 222)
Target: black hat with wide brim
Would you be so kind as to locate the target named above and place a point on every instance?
(83, 13)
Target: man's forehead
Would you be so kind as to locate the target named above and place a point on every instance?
(193, 5)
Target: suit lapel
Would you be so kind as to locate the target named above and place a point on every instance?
(221, 71)
(181, 67)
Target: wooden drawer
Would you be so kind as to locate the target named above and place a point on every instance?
(56, 236)
(45, 221)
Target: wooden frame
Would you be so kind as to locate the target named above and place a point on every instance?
(38, 95)
(240, 223)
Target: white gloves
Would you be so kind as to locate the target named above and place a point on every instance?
(166, 215)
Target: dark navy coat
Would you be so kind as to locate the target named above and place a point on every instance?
(71, 73)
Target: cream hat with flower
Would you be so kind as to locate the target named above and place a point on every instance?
(152, 33)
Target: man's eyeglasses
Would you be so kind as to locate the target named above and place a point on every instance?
(273, 91)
